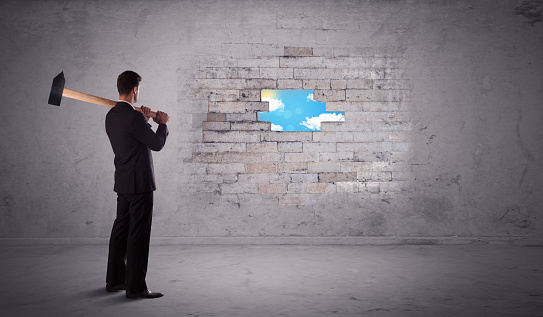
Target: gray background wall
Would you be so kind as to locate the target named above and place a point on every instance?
(449, 92)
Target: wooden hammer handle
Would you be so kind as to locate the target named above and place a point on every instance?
(95, 100)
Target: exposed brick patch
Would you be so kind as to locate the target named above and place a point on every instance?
(365, 155)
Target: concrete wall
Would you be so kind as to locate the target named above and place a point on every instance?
(442, 133)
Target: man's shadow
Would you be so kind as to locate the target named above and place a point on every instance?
(100, 293)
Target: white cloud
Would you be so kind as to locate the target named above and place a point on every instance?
(275, 104)
(310, 97)
(314, 123)
(276, 127)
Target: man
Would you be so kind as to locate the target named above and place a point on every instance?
(132, 140)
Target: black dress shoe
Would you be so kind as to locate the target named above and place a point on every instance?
(113, 288)
(143, 294)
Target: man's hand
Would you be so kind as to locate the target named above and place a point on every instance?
(146, 111)
(161, 117)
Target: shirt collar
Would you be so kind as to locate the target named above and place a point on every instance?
(125, 101)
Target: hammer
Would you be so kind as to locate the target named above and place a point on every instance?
(58, 91)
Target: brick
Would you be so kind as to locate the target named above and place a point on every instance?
(333, 137)
(236, 117)
(249, 95)
(319, 188)
(381, 176)
(230, 136)
(259, 62)
(347, 187)
(223, 126)
(360, 83)
(298, 199)
(219, 147)
(344, 106)
(294, 167)
(316, 84)
(216, 117)
(311, 188)
(259, 106)
(302, 62)
(283, 178)
(368, 73)
(356, 167)
(289, 84)
(337, 177)
(263, 167)
(272, 188)
(328, 95)
(259, 83)
(254, 178)
(262, 147)
(358, 147)
(338, 84)
(241, 157)
(298, 51)
(301, 157)
(225, 168)
(373, 156)
(319, 147)
(227, 107)
(229, 178)
(302, 136)
(334, 126)
(381, 166)
(251, 126)
(377, 95)
(323, 167)
(370, 137)
(223, 95)
(277, 73)
(304, 178)
(336, 156)
(308, 73)
(289, 146)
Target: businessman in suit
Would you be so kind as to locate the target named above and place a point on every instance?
(132, 140)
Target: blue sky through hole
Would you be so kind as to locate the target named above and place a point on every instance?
(295, 110)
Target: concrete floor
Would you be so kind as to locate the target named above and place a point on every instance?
(278, 280)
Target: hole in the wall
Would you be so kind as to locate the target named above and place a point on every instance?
(295, 110)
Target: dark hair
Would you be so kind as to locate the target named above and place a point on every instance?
(126, 81)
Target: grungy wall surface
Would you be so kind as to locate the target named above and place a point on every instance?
(442, 99)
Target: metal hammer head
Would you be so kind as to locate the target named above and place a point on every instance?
(57, 89)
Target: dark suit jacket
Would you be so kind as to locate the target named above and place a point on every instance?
(132, 140)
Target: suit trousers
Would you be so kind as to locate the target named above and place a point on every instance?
(129, 241)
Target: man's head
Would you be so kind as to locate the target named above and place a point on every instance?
(128, 84)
